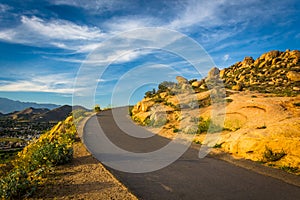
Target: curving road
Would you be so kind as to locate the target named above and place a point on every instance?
(187, 178)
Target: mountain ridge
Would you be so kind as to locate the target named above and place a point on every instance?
(42, 114)
(28, 113)
(9, 105)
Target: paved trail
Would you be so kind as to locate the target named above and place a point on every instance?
(187, 178)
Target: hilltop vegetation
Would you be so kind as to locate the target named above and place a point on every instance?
(28, 170)
(261, 120)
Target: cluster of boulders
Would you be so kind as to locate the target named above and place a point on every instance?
(275, 71)
(252, 122)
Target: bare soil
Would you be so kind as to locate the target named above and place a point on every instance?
(84, 178)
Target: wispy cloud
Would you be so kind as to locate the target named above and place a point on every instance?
(194, 12)
(226, 57)
(120, 24)
(58, 83)
(58, 33)
(60, 29)
(213, 21)
(96, 6)
(4, 8)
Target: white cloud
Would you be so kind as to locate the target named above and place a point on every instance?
(58, 33)
(226, 57)
(59, 45)
(57, 83)
(98, 59)
(202, 13)
(7, 35)
(213, 21)
(4, 8)
(87, 47)
(98, 6)
(60, 29)
(117, 25)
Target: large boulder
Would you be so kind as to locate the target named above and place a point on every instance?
(293, 76)
(270, 55)
(142, 116)
(237, 87)
(158, 115)
(248, 60)
(181, 80)
(222, 72)
(142, 106)
(214, 73)
(197, 84)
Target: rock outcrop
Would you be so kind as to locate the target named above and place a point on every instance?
(213, 73)
(293, 76)
(181, 80)
(273, 72)
(255, 121)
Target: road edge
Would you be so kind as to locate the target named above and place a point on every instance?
(80, 130)
(257, 167)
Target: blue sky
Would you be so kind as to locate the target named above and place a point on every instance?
(43, 43)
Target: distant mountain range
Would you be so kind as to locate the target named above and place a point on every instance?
(8, 105)
(42, 114)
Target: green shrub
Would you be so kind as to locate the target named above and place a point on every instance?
(165, 86)
(162, 88)
(197, 142)
(208, 125)
(176, 130)
(218, 145)
(203, 125)
(35, 161)
(271, 156)
(297, 104)
(15, 184)
(148, 122)
(97, 108)
(289, 169)
(158, 99)
(170, 104)
(150, 94)
(130, 108)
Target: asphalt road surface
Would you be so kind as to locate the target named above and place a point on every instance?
(187, 178)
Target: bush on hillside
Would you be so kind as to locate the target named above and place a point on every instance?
(35, 161)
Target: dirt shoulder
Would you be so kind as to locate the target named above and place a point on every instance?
(83, 178)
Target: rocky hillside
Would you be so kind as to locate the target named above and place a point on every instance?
(273, 72)
(262, 116)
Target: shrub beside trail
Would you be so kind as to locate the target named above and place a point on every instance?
(21, 177)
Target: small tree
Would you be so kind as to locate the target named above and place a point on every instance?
(150, 93)
(97, 108)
